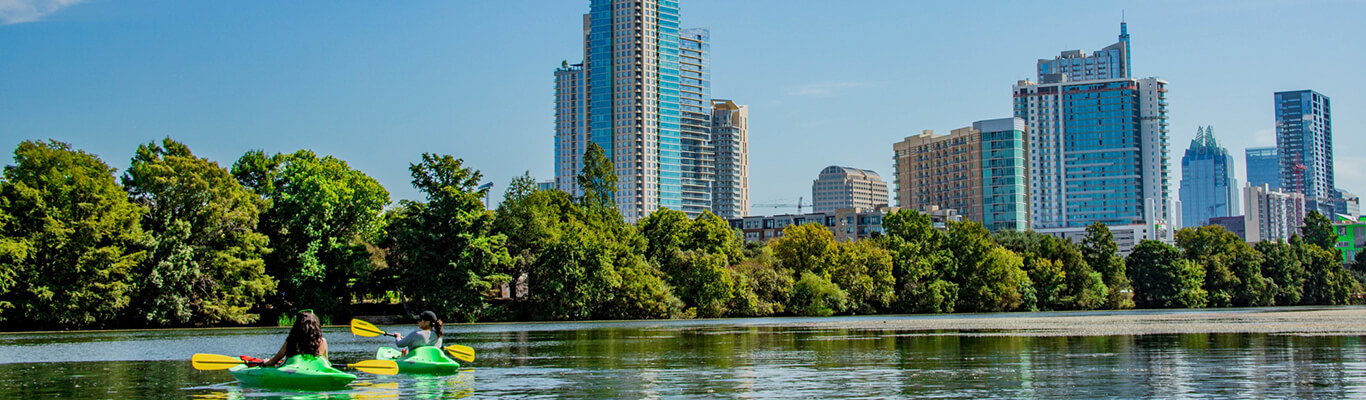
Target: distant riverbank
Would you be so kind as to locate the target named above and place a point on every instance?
(1346, 320)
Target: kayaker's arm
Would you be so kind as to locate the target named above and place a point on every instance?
(280, 355)
(322, 349)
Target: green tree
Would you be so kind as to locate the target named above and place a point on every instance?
(665, 232)
(1327, 282)
(1062, 279)
(1319, 231)
(990, 278)
(1163, 279)
(1233, 275)
(321, 217)
(642, 294)
(575, 274)
(527, 219)
(204, 263)
(923, 268)
(445, 248)
(805, 248)
(762, 288)
(598, 180)
(1101, 252)
(1284, 266)
(864, 271)
(703, 281)
(815, 295)
(70, 237)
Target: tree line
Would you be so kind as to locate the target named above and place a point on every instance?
(178, 240)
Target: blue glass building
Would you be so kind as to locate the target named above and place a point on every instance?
(1304, 140)
(1098, 151)
(697, 157)
(1263, 167)
(629, 90)
(1208, 188)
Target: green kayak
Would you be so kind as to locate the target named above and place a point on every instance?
(423, 360)
(304, 372)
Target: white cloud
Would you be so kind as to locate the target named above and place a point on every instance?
(21, 11)
(823, 88)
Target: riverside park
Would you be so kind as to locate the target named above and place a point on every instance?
(1277, 352)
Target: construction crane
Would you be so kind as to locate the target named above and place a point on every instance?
(799, 205)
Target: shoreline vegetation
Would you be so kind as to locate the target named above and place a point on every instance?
(179, 241)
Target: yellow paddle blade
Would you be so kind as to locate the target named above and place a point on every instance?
(377, 367)
(210, 362)
(462, 353)
(365, 329)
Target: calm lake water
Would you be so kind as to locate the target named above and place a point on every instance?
(736, 358)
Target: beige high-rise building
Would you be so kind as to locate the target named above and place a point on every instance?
(980, 170)
(730, 141)
(843, 187)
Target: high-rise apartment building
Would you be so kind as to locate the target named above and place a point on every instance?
(694, 103)
(1304, 140)
(644, 96)
(1263, 167)
(730, 140)
(1072, 65)
(1208, 188)
(1271, 214)
(843, 187)
(1097, 146)
(1098, 151)
(571, 132)
(981, 171)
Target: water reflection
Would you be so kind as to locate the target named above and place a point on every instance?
(654, 360)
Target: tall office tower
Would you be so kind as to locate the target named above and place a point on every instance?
(1108, 63)
(1208, 188)
(571, 136)
(981, 170)
(843, 187)
(1098, 151)
(694, 101)
(1263, 167)
(730, 140)
(1304, 140)
(1271, 214)
(632, 93)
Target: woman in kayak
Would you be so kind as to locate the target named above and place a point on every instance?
(306, 337)
(427, 334)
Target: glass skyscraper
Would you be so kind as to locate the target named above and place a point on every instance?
(629, 93)
(694, 101)
(1263, 167)
(1098, 151)
(1304, 140)
(1208, 188)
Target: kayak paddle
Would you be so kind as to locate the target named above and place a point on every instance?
(210, 362)
(462, 353)
(366, 329)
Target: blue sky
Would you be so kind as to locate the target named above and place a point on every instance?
(378, 83)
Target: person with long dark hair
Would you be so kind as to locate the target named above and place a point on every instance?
(427, 334)
(306, 337)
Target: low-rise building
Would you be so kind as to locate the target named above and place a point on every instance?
(1351, 238)
(1233, 224)
(846, 224)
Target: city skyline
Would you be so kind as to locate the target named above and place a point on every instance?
(392, 82)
